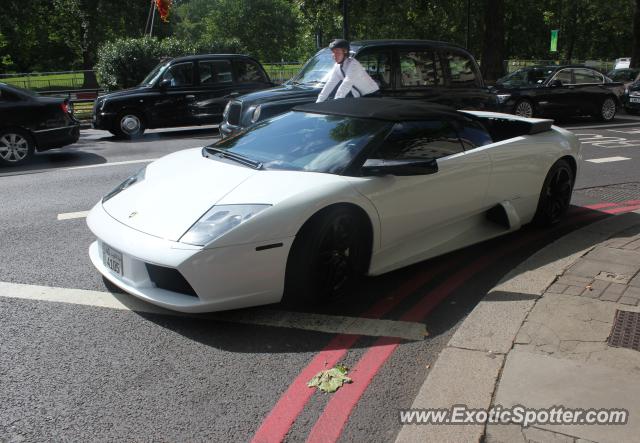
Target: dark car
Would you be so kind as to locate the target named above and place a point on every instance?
(559, 90)
(409, 69)
(184, 91)
(625, 76)
(29, 123)
(631, 98)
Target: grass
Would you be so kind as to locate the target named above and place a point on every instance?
(46, 82)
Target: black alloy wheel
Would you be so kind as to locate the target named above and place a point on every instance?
(326, 258)
(555, 196)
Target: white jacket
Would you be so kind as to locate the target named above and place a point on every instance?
(353, 77)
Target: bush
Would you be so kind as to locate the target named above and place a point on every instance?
(125, 62)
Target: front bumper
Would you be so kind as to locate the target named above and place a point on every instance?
(221, 278)
(631, 102)
(103, 120)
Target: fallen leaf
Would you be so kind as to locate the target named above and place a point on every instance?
(428, 366)
(330, 380)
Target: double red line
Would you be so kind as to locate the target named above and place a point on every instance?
(329, 426)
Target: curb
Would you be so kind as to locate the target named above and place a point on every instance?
(469, 367)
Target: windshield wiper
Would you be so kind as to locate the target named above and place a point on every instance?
(232, 156)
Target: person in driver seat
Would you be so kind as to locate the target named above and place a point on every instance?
(348, 75)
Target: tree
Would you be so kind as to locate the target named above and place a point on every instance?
(493, 41)
(635, 54)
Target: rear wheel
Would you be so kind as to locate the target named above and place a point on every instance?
(524, 108)
(16, 147)
(326, 258)
(607, 110)
(555, 195)
(129, 125)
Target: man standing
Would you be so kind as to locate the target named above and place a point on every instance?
(348, 73)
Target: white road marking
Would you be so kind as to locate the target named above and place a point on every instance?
(618, 125)
(334, 324)
(72, 215)
(603, 141)
(102, 165)
(608, 159)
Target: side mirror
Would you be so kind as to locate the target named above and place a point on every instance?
(555, 83)
(377, 167)
(164, 83)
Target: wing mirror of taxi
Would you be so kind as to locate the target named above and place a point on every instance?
(165, 83)
(555, 83)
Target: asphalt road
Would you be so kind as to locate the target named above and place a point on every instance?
(80, 371)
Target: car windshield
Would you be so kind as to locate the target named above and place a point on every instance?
(153, 76)
(526, 77)
(299, 141)
(622, 75)
(316, 69)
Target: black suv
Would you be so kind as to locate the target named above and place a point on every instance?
(412, 69)
(184, 91)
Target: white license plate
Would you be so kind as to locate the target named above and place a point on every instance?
(634, 100)
(112, 259)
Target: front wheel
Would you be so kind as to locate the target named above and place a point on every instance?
(607, 110)
(326, 258)
(524, 108)
(555, 195)
(128, 125)
(16, 147)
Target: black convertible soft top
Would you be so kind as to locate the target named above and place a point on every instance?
(387, 109)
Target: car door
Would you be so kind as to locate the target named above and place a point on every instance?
(420, 212)
(465, 89)
(557, 94)
(377, 63)
(420, 76)
(172, 107)
(215, 86)
(588, 89)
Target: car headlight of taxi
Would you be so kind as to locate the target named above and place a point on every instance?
(218, 221)
(255, 116)
(502, 98)
(135, 178)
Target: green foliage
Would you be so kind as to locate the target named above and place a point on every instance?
(125, 62)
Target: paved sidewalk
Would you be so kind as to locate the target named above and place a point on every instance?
(540, 339)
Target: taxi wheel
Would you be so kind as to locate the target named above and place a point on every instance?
(129, 125)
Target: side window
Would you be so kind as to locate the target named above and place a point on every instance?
(425, 140)
(180, 75)
(420, 68)
(462, 70)
(474, 135)
(378, 66)
(564, 76)
(249, 72)
(583, 76)
(213, 72)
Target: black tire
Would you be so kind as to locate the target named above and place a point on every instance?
(607, 110)
(16, 147)
(327, 257)
(128, 125)
(555, 195)
(524, 108)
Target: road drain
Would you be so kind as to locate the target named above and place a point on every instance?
(626, 330)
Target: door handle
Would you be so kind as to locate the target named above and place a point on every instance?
(233, 94)
(190, 97)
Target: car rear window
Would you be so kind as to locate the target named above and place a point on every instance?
(420, 68)
(461, 70)
(215, 71)
(249, 72)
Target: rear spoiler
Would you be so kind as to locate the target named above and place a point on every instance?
(526, 126)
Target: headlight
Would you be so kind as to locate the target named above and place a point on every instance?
(503, 97)
(634, 93)
(218, 221)
(135, 178)
(256, 114)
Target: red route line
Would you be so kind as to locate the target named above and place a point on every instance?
(623, 204)
(279, 421)
(622, 209)
(276, 425)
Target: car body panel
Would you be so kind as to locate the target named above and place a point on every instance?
(41, 117)
(412, 217)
